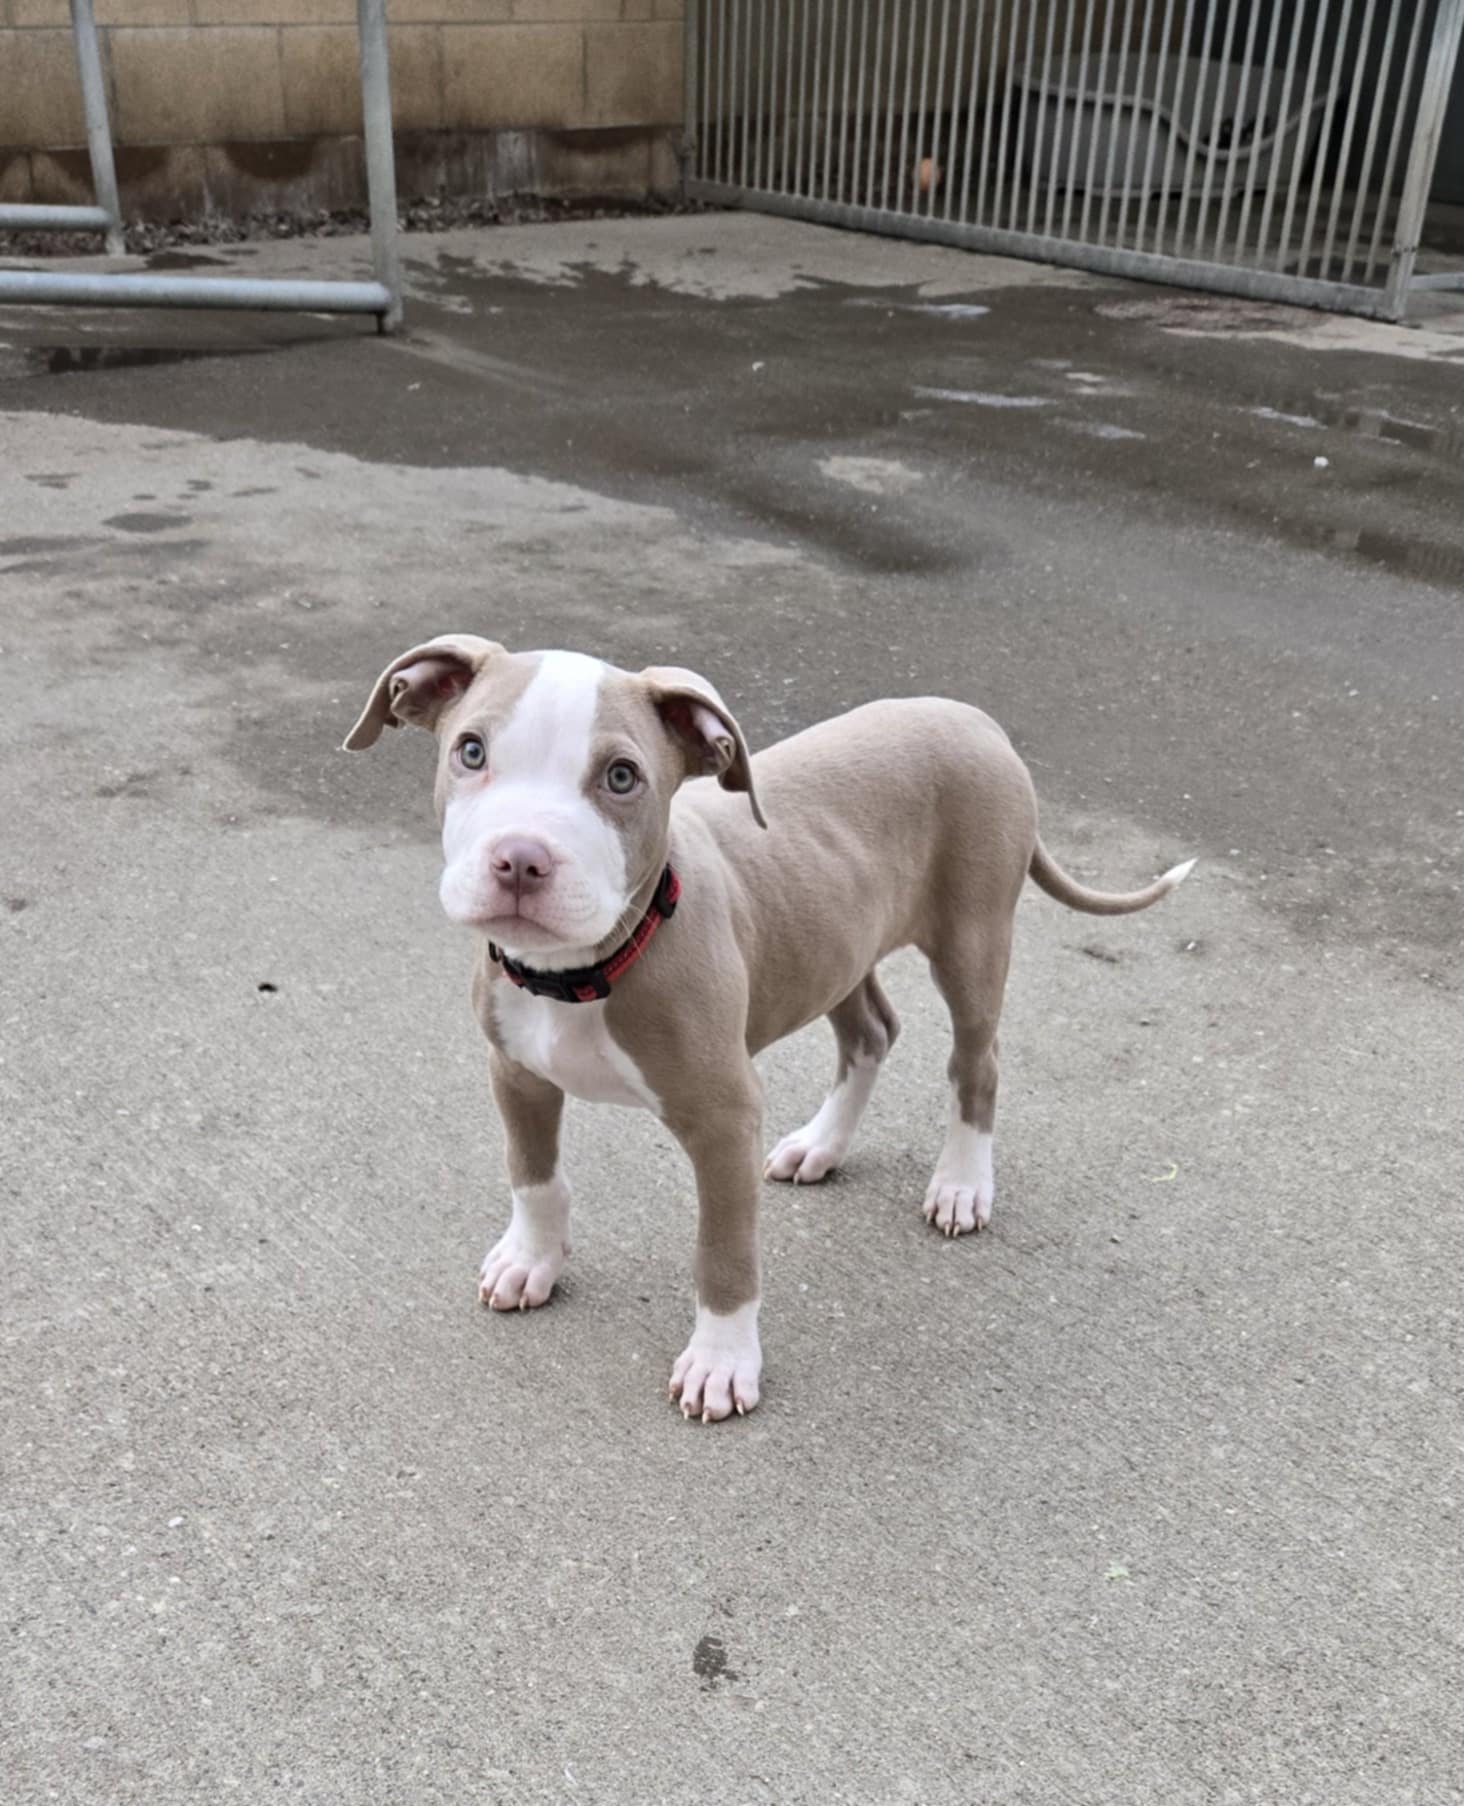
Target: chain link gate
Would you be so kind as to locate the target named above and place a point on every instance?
(1277, 149)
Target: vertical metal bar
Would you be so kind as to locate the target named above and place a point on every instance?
(1349, 125)
(762, 112)
(787, 132)
(1136, 118)
(841, 190)
(973, 112)
(959, 87)
(1039, 117)
(828, 92)
(1197, 114)
(939, 109)
(1212, 148)
(889, 137)
(690, 69)
(922, 111)
(744, 95)
(380, 158)
(857, 191)
(1080, 102)
(815, 84)
(1064, 123)
(1302, 138)
(904, 164)
(1324, 137)
(988, 119)
(1121, 100)
(876, 94)
(1238, 115)
(1268, 67)
(998, 193)
(718, 153)
(774, 11)
(1370, 143)
(801, 184)
(1283, 114)
(1171, 103)
(1024, 91)
(98, 127)
(1433, 102)
(1400, 119)
(1101, 124)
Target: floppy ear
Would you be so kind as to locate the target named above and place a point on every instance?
(706, 729)
(419, 685)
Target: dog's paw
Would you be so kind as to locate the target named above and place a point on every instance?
(717, 1372)
(520, 1273)
(804, 1157)
(957, 1208)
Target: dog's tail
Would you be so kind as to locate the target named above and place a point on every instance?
(1055, 881)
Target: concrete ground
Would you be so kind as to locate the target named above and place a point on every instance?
(1153, 1493)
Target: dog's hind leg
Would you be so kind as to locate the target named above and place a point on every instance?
(971, 972)
(865, 1026)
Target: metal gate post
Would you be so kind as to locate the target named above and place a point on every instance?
(98, 127)
(380, 156)
(690, 67)
(1433, 101)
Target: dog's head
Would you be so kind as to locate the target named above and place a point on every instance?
(555, 775)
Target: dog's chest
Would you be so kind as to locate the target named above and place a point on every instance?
(569, 1044)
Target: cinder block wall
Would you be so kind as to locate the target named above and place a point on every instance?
(241, 105)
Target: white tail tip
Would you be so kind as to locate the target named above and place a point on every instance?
(1177, 874)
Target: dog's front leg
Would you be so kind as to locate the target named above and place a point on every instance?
(524, 1263)
(719, 1369)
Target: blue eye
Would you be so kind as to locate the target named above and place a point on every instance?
(621, 777)
(472, 753)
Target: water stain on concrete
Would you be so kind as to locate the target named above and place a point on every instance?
(709, 1664)
(146, 523)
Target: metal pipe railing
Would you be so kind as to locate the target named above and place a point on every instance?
(383, 297)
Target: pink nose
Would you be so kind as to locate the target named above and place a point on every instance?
(521, 865)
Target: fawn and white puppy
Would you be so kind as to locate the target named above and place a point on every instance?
(642, 937)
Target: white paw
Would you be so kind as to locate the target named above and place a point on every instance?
(717, 1372)
(956, 1208)
(958, 1199)
(520, 1271)
(805, 1157)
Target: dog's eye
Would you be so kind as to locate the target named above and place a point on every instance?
(472, 753)
(621, 777)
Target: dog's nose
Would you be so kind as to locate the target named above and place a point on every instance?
(521, 865)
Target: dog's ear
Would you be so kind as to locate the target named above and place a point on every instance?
(706, 730)
(418, 685)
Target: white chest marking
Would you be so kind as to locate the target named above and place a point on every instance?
(570, 1044)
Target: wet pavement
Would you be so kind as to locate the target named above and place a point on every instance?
(1151, 1494)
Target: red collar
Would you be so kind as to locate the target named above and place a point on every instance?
(590, 984)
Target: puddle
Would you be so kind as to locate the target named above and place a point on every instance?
(184, 260)
(74, 360)
(985, 398)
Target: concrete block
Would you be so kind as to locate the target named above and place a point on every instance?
(275, 12)
(188, 86)
(449, 12)
(144, 12)
(287, 175)
(32, 14)
(42, 94)
(669, 9)
(576, 12)
(596, 162)
(513, 75)
(321, 67)
(15, 178)
(633, 74)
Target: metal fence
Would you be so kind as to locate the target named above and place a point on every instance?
(381, 297)
(1273, 148)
